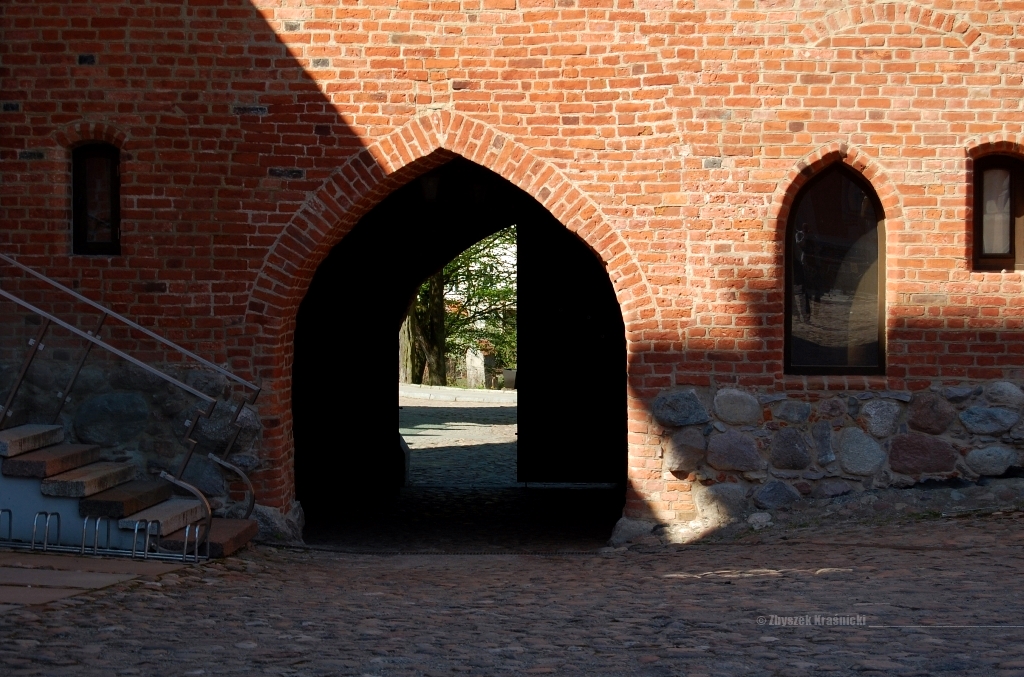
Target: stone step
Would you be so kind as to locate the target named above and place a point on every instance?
(125, 499)
(87, 480)
(29, 437)
(173, 514)
(227, 536)
(50, 461)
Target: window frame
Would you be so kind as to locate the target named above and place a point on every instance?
(1015, 166)
(80, 244)
(788, 368)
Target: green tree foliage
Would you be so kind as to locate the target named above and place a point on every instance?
(480, 298)
(470, 303)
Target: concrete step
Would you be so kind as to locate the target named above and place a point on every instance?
(50, 461)
(125, 499)
(26, 438)
(87, 480)
(226, 537)
(173, 514)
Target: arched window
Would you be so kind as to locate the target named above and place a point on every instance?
(96, 199)
(835, 248)
(998, 213)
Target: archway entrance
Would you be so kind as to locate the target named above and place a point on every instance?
(571, 333)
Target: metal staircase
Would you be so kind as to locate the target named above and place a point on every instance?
(48, 486)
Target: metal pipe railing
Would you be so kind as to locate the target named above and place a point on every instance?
(93, 339)
(133, 325)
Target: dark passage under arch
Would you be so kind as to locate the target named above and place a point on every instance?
(571, 342)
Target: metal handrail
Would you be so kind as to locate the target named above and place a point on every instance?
(133, 325)
(93, 338)
(106, 346)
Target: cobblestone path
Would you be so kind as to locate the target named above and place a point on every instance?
(935, 597)
(463, 494)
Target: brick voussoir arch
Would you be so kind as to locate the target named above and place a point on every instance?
(354, 189)
(889, 13)
(817, 160)
(71, 135)
(423, 143)
(994, 143)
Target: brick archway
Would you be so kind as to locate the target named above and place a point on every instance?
(348, 194)
(847, 18)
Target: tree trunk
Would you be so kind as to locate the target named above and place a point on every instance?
(431, 335)
(410, 357)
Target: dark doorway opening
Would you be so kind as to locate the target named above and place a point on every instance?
(349, 469)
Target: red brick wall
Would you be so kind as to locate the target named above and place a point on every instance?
(672, 136)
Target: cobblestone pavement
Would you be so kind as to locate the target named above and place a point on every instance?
(933, 597)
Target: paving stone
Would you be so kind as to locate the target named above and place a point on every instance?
(881, 417)
(988, 420)
(737, 407)
(789, 450)
(679, 408)
(916, 454)
(734, 450)
(930, 413)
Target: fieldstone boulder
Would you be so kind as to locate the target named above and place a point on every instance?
(831, 488)
(737, 407)
(917, 454)
(993, 461)
(988, 420)
(734, 450)
(1004, 394)
(679, 408)
(278, 528)
(789, 450)
(881, 417)
(859, 454)
(111, 419)
(720, 504)
(775, 495)
(832, 408)
(792, 411)
(960, 393)
(627, 529)
(821, 431)
(684, 450)
(759, 520)
(930, 413)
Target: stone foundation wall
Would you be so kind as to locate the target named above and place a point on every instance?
(741, 450)
(136, 416)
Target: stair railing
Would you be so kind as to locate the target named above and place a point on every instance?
(92, 338)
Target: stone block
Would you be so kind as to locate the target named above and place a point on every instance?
(792, 411)
(1004, 394)
(26, 438)
(737, 407)
(775, 495)
(859, 454)
(821, 431)
(988, 420)
(881, 417)
(930, 413)
(916, 454)
(994, 460)
(789, 450)
(720, 504)
(684, 450)
(87, 480)
(734, 450)
(679, 408)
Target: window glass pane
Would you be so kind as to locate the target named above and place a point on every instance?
(995, 218)
(98, 207)
(834, 276)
